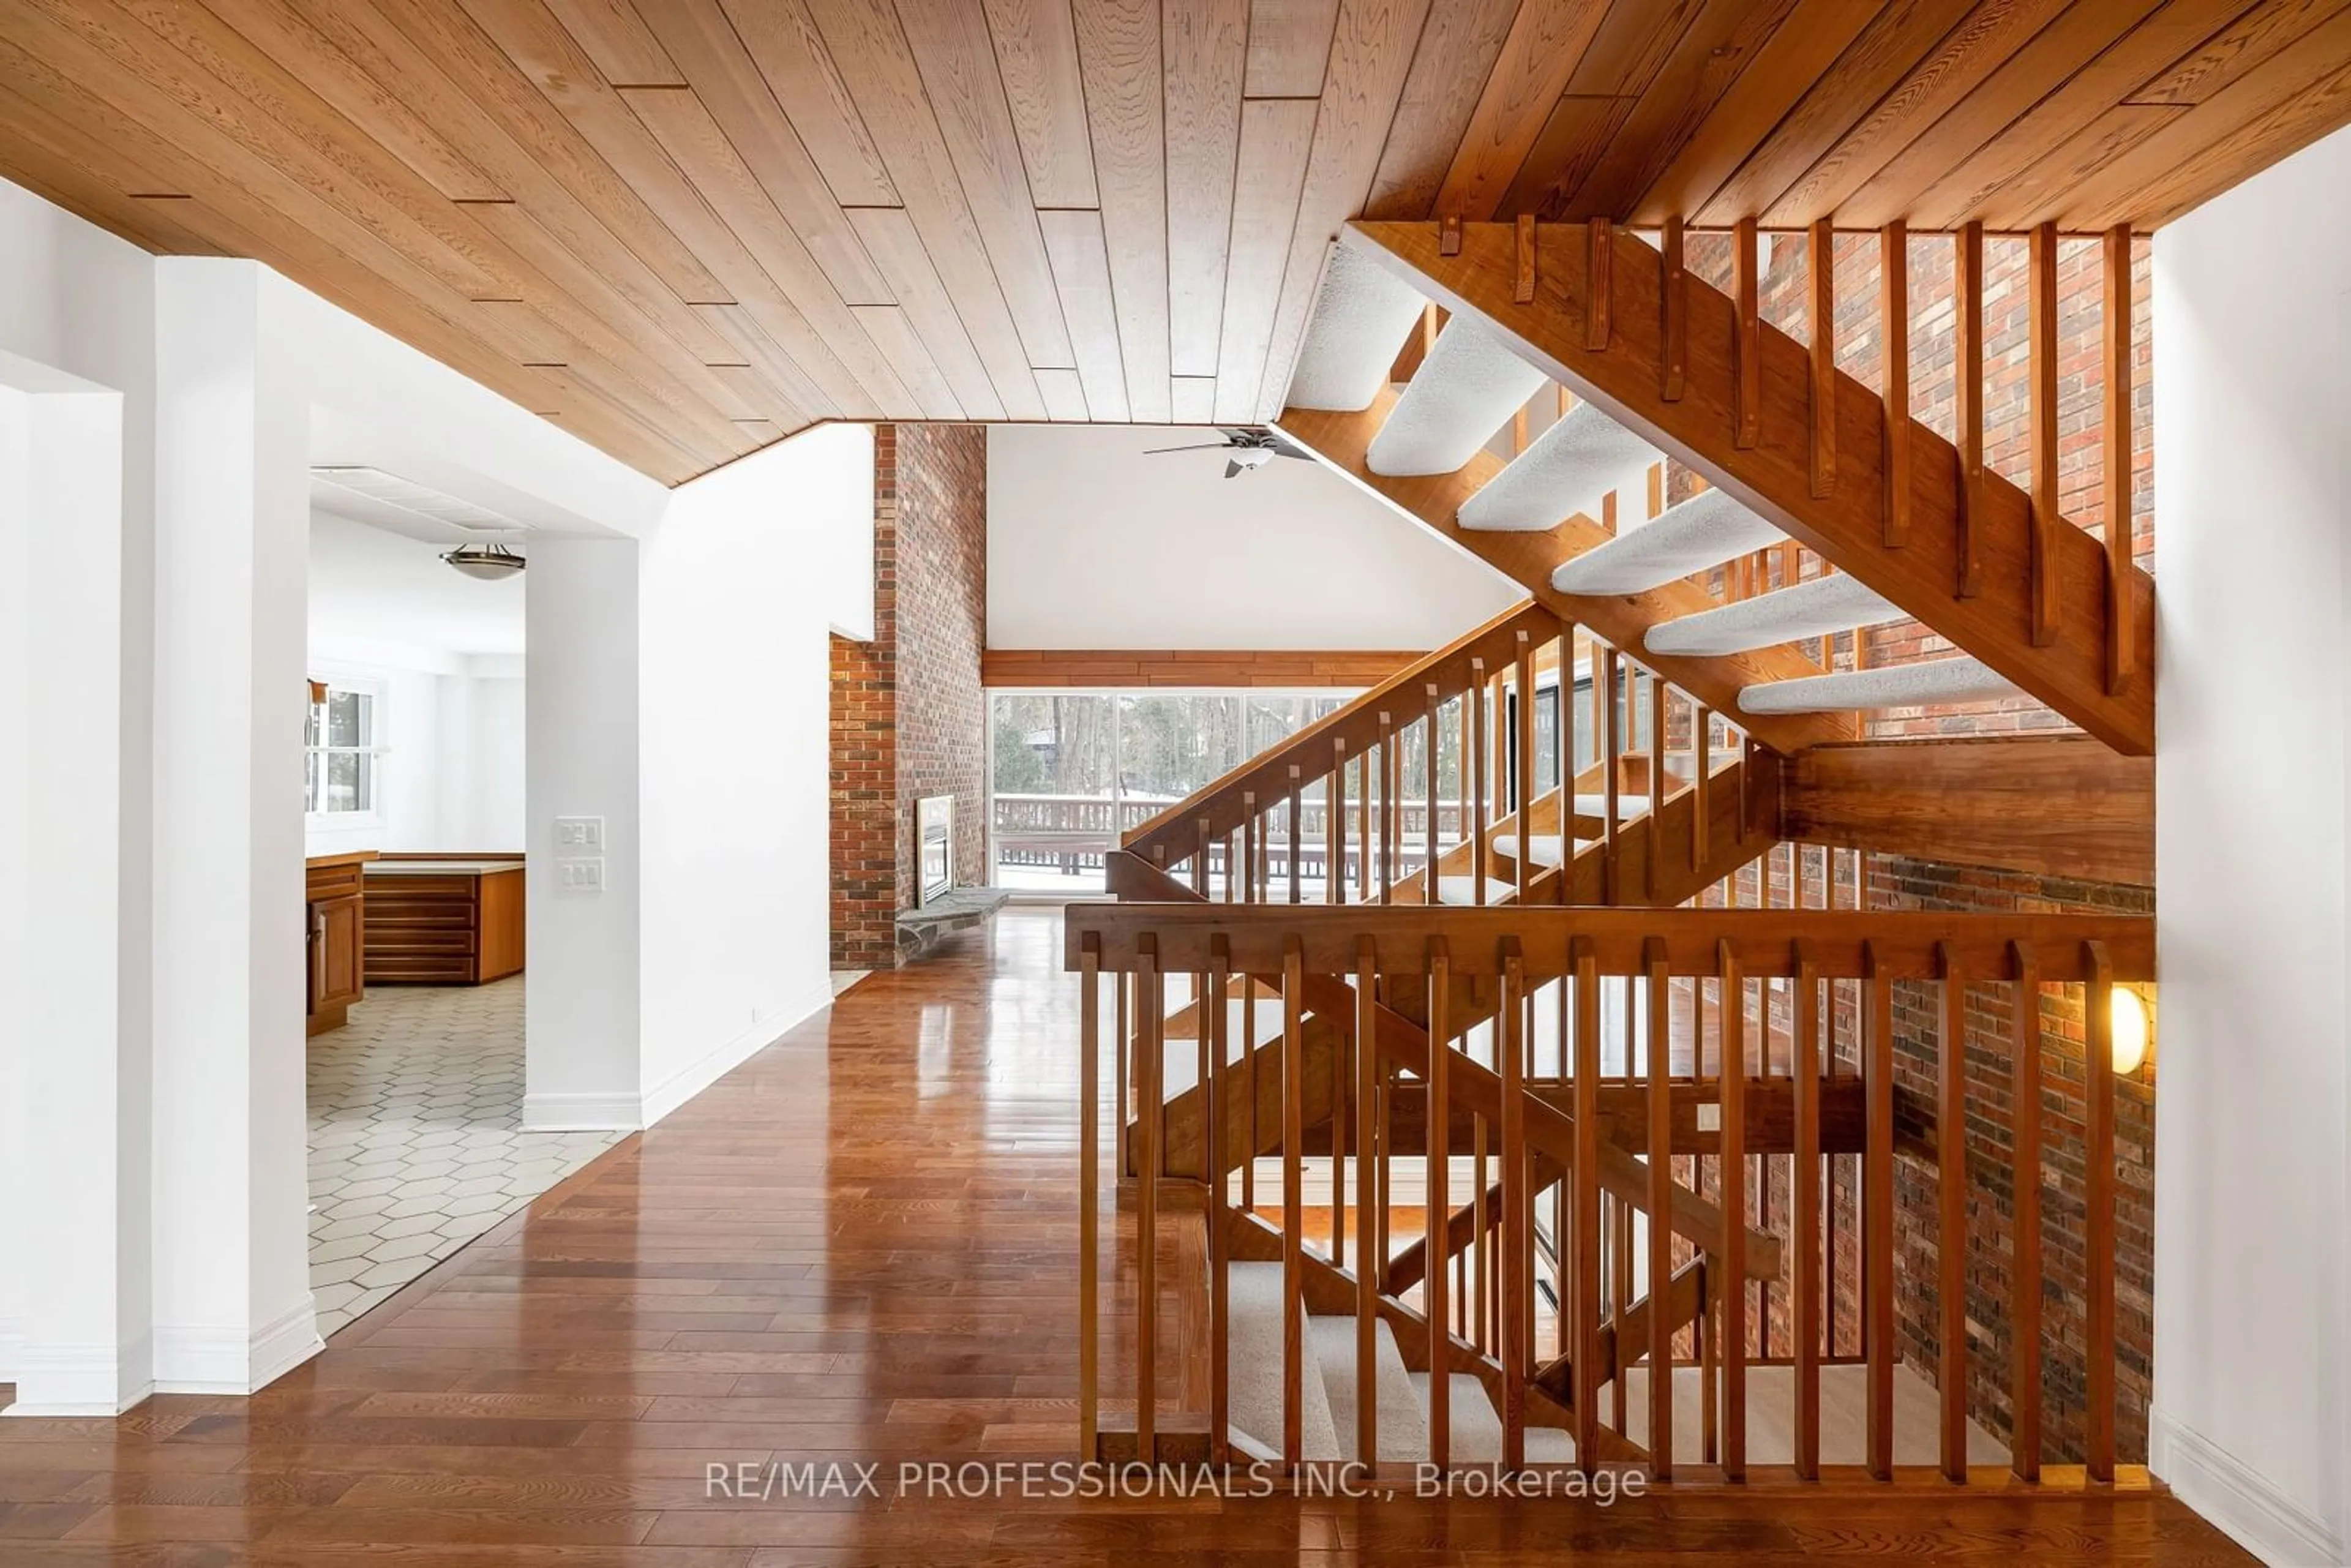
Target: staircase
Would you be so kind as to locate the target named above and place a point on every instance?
(1796, 455)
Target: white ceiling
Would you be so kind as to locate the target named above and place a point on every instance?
(371, 587)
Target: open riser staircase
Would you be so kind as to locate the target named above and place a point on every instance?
(1823, 508)
(1323, 1147)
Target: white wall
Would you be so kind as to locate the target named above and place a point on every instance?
(15, 844)
(76, 316)
(2252, 1423)
(447, 653)
(1087, 541)
(734, 763)
(581, 986)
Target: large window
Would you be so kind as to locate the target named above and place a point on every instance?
(1074, 771)
(346, 754)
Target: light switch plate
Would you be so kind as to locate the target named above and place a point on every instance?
(579, 835)
(579, 874)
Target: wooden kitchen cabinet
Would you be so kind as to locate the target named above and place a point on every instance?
(336, 937)
(443, 920)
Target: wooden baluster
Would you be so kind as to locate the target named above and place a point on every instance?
(1249, 1090)
(1620, 1295)
(1473, 766)
(1821, 273)
(1428, 786)
(1601, 234)
(1567, 845)
(1702, 765)
(1525, 773)
(1661, 1207)
(1212, 1104)
(1297, 837)
(1294, 1217)
(1653, 864)
(1586, 1180)
(1200, 858)
(2041, 373)
(1232, 842)
(1610, 744)
(1120, 1072)
(1748, 337)
(2024, 1276)
(1478, 1220)
(1878, 1211)
(2122, 643)
(1967, 403)
(1894, 333)
(1369, 1154)
(1952, 1211)
(1392, 799)
(1334, 875)
(1731, 1160)
(1089, 1192)
(1385, 814)
(1673, 315)
(1518, 1242)
(1250, 832)
(1806, 1198)
(1363, 827)
(2098, 1220)
(1342, 1096)
(1436, 1209)
(1151, 1084)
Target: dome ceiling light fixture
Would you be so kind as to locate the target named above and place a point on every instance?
(490, 563)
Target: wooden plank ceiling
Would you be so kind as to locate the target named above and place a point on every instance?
(681, 228)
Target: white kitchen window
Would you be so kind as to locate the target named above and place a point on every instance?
(346, 754)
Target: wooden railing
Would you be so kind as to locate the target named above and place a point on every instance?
(1755, 1039)
(1369, 789)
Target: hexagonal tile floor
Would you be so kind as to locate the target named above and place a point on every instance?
(416, 1138)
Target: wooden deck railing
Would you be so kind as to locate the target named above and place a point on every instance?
(1728, 1064)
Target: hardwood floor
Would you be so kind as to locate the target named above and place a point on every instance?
(858, 1247)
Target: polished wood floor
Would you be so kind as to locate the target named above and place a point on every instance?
(857, 1247)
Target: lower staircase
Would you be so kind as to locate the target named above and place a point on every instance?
(1458, 1187)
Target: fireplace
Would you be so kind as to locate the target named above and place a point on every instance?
(935, 848)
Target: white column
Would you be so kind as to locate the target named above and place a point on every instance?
(581, 1062)
(232, 1306)
(79, 1046)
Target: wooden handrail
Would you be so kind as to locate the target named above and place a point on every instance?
(1766, 942)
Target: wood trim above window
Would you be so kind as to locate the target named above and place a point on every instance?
(1202, 667)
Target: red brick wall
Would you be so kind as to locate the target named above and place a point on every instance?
(1900, 883)
(909, 718)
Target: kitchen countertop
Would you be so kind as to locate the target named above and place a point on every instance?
(440, 868)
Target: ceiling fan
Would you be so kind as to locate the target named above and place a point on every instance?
(1245, 449)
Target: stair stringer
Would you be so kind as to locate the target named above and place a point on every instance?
(1773, 475)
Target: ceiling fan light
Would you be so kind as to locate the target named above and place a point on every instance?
(485, 563)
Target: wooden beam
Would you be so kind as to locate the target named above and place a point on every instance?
(2122, 646)
(1190, 667)
(1966, 402)
(2041, 370)
(2050, 805)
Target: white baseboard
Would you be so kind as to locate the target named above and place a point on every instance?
(2240, 1501)
(75, 1380)
(582, 1112)
(715, 1064)
(232, 1360)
